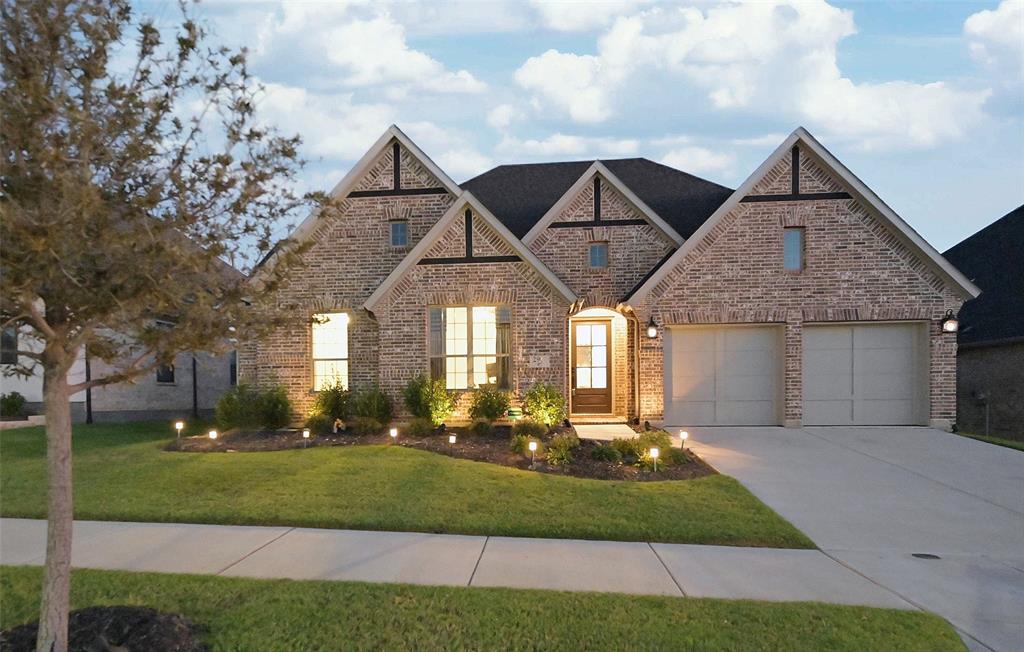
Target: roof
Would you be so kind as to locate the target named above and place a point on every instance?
(859, 190)
(519, 195)
(991, 258)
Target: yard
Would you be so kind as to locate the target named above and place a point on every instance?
(121, 473)
(244, 614)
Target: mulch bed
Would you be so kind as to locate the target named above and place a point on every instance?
(115, 629)
(493, 448)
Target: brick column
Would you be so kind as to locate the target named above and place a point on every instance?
(942, 376)
(793, 378)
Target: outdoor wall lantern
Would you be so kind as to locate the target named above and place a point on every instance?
(950, 324)
(652, 328)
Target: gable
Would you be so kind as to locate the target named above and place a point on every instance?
(469, 235)
(789, 189)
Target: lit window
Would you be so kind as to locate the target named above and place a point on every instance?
(399, 234)
(793, 249)
(9, 345)
(599, 254)
(330, 350)
(165, 374)
(469, 346)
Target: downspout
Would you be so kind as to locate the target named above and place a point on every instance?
(636, 367)
(88, 390)
(195, 389)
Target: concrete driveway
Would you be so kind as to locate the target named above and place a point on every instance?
(873, 498)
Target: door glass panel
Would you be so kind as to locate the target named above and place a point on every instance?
(598, 333)
(599, 378)
(583, 356)
(599, 356)
(583, 334)
(583, 377)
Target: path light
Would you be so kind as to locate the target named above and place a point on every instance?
(394, 434)
(451, 442)
(683, 436)
(654, 456)
(950, 324)
(533, 453)
(652, 328)
(213, 434)
(179, 426)
(305, 437)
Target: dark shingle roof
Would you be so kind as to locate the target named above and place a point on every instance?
(992, 259)
(519, 195)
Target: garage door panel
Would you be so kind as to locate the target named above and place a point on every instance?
(837, 413)
(878, 377)
(723, 376)
(883, 412)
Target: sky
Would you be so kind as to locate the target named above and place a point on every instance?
(924, 101)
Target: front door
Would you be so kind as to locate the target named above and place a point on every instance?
(591, 367)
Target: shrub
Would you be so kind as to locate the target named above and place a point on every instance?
(366, 426)
(676, 456)
(530, 428)
(606, 453)
(428, 399)
(482, 428)
(333, 401)
(420, 428)
(560, 448)
(274, 408)
(373, 404)
(545, 403)
(629, 449)
(238, 408)
(654, 439)
(489, 403)
(12, 404)
(320, 424)
(521, 445)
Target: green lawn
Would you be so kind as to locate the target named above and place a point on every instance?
(998, 441)
(244, 614)
(121, 473)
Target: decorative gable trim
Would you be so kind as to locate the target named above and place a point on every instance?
(860, 192)
(343, 190)
(598, 174)
(465, 206)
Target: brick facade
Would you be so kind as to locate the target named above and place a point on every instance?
(856, 270)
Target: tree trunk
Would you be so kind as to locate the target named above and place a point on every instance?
(53, 616)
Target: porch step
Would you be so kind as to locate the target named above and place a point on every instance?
(604, 431)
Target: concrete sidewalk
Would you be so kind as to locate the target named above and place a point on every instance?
(454, 560)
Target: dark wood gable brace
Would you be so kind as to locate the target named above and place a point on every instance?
(396, 189)
(795, 194)
(597, 221)
(469, 257)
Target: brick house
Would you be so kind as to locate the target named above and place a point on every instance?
(642, 291)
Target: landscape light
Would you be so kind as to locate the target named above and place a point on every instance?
(533, 445)
(394, 433)
(213, 434)
(654, 456)
(451, 442)
(533, 453)
(683, 436)
(179, 425)
(305, 434)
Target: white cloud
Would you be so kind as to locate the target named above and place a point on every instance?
(671, 141)
(776, 58)
(569, 82)
(331, 126)
(699, 159)
(566, 145)
(363, 42)
(463, 163)
(996, 37)
(568, 16)
(501, 116)
(766, 140)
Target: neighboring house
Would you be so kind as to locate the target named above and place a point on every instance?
(191, 386)
(990, 358)
(641, 291)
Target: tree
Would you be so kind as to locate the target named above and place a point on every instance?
(133, 166)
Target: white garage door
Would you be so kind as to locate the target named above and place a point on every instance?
(865, 374)
(723, 375)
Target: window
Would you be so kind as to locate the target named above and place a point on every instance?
(165, 374)
(599, 254)
(330, 350)
(399, 234)
(793, 249)
(9, 345)
(470, 346)
(233, 368)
